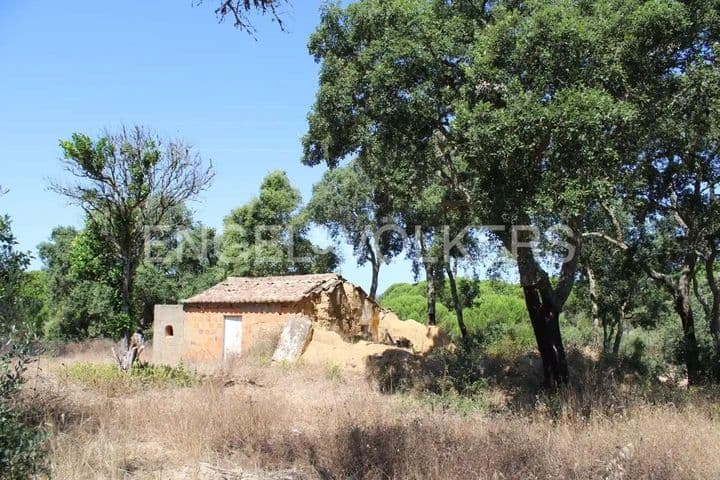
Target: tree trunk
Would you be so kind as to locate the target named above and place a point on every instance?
(595, 308)
(374, 283)
(456, 302)
(545, 320)
(618, 338)
(375, 263)
(620, 329)
(431, 294)
(128, 274)
(690, 346)
(608, 332)
(714, 310)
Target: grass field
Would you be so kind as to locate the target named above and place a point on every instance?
(297, 422)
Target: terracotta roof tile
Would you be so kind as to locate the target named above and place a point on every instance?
(283, 289)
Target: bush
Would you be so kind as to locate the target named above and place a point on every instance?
(21, 454)
(21, 450)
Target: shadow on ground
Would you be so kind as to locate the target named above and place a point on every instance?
(605, 384)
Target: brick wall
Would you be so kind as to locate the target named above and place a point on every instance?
(204, 327)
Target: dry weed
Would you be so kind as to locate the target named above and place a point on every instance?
(267, 418)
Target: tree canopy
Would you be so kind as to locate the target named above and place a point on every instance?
(268, 235)
(528, 112)
(128, 183)
(349, 205)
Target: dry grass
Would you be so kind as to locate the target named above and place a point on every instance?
(267, 418)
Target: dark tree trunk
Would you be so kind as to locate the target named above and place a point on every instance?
(619, 329)
(618, 338)
(375, 263)
(714, 310)
(545, 320)
(431, 294)
(690, 345)
(456, 302)
(374, 282)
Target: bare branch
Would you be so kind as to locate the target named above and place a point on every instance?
(618, 243)
(128, 181)
(239, 11)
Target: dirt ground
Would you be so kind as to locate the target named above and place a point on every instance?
(328, 348)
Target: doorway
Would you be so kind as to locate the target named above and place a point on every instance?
(232, 344)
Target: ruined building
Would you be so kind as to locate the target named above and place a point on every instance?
(230, 317)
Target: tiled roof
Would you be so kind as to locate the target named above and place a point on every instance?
(284, 289)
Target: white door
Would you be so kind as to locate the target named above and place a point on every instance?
(233, 336)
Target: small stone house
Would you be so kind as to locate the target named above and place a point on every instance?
(229, 318)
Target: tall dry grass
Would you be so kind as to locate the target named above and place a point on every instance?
(266, 418)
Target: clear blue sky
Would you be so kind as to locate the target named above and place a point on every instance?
(84, 66)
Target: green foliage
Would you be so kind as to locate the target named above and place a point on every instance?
(268, 235)
(352, 208)
(12, 272)
(21, 446)
(83, 283)
(34, 301)
(497, 317)
(79, 303)
(531, 113)
(409, 302)
(333, 372)
(21, 454)
(109, 379)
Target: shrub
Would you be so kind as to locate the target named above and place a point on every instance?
(21, 454)
(21, 450)
(333, 372)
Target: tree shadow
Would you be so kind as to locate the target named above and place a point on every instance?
(597, 384)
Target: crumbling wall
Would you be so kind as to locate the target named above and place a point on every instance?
(345, 309)
(330, 309)
(422, 338)
(365, 312)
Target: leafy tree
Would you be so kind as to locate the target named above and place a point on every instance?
(128, 182)
(180, 263)
(618, 294)
(81, 300)
(528, 111)
(434, 249)
(33, 296)
(82, 280)
(670, 197)
(20, 446)
(268, 235)
(352, 208)
(496, 317)
(12, 275)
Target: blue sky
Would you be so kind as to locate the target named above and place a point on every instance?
(86, 66)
